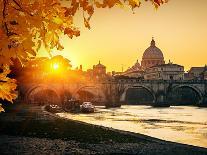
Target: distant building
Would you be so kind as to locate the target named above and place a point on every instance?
(198, 73)
(134, 74)
(98, 72)
(205, 75)
(134, 71)
(99, 69)
(152, 56)
(114, 73)
(168, 71)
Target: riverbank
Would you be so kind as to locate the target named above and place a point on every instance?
(31, 130)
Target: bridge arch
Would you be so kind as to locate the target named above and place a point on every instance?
(185, 94)
(32, 93)
(66, 94)
(89, 93)
(142, 94)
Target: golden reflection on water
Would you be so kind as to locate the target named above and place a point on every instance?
(184, 124)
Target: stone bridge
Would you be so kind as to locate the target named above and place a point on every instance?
(120, 91)
(58, 92)
(162, 92)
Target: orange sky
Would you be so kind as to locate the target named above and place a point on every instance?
(118, 36)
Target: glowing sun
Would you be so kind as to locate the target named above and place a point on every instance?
(55, 66)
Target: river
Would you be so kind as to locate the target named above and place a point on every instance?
(183, 124)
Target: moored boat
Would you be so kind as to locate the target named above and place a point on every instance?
(87, 107)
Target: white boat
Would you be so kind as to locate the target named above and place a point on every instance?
(87, 107)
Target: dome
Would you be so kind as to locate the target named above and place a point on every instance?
(99, 65)
(135, 67)
(152, 56)
(153, 52)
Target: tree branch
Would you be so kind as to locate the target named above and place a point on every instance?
(1, 81)
(4, 8)
(17, 4)
(21, 8)
(4, 16)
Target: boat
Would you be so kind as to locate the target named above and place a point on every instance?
(53, 108)
(72, 105)
(87, 107)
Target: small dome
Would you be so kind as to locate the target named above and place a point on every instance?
(135, 67)
(99, 65)
(153, 52)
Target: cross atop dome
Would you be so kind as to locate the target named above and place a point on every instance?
(153, 42)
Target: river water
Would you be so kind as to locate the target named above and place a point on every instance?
(183, 124)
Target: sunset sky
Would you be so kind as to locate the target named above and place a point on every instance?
(118, 36)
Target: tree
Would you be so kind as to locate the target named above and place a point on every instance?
(28, 24)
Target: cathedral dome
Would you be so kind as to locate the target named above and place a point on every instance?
(152, 56)
(153, 52)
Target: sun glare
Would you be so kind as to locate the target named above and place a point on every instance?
(55, 66)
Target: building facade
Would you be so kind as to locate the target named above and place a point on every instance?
(135, 71)
(199, 73)
(98, 73)
(168, 71)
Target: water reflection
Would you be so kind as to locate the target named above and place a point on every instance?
(183, 124)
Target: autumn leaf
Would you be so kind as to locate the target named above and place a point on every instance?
(99, 5)
(112, 3)
(59, 47)
(90, 10)
(1, 109)
(86, 22)
(71, 32)
(157, 3)
(134, 3)
(7, 87)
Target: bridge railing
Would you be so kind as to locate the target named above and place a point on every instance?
(159, 81)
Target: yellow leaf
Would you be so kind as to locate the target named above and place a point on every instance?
(1, 109)
(57, 20)
(86, 22)
(134, 3)
(7, 87)
(59, 47)
(99, 5)
(111, 3)
(90, 10)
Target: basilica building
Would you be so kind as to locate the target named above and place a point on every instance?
(153, 66)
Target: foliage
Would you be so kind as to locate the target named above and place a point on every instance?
(7, 87)
(26, 25)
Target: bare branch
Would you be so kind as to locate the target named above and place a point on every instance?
(4, 8)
